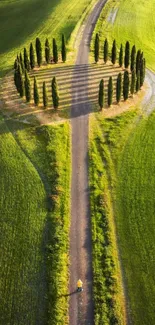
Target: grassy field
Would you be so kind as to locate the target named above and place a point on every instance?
(129, 156)
(135, 219)
(35, 178)
(132, 22)
(22, 21)
(108, 292)
(23, 218)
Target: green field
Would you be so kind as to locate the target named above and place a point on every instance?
(22, 21)
(135, 219)
(127, 150)
(34, 196)
(134, 22)
(107, 281)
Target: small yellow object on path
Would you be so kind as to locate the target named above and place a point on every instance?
(79, 283)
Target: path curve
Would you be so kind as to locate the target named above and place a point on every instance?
(81, 305)
(148, 103)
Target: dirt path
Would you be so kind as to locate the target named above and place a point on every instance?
(81, 305)
(148, 103)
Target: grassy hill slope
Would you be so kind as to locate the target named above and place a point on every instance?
(34, 200)
(22, 21)
(136, 219)
(23, 214)
(133, 22)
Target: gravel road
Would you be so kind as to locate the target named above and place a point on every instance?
(148, 103)
(81, 304)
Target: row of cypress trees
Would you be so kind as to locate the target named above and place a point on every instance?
(124, 86)
(23, 86)
(126, 58)
(29, 61)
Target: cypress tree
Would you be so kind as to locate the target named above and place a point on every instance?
(101, 94)
(26, 60)
(15, 64)
(32, 56)
(55, 94)
(127, 55)
(38, 51)
(141, 57)
(118, 87)
(110, 91)
(105, 54)
(63, 49)
(18, 60)
(27, 87)
(96, 48)
(16, 78)
(113, 56)
(21, 62)
(138, 81)
(55, 51)
(138, 61)
(133, 58)
(20, 81)
(141, 73)
(133, 81)
(121, 56)
(47, 51)
(35, 92)
(144, 69)
(45, 97)
(126, 85)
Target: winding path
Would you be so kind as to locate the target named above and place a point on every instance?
(81, 305)
(148, 103)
